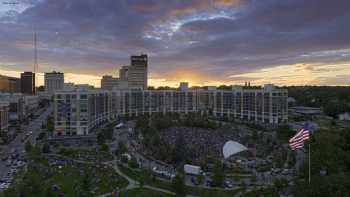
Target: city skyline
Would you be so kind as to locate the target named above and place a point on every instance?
(203, 42)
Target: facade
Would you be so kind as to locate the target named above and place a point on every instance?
(261, 105)
(10, 84)
(77, 112)
(137, 73)
(4, 118)
(54, 81)
(28, 83)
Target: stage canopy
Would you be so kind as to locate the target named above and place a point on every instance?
(231, 148)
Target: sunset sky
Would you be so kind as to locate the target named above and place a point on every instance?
(204, 42)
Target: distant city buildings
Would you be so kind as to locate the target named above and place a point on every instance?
(108, 82)
(76, 112)
(130, 77)
(53, 81)
(28, 83)
(10, 84)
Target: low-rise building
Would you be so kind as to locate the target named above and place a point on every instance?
(16, 105)
(10, 84)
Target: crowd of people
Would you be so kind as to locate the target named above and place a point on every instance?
(201, 143)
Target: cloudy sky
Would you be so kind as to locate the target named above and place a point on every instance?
(205, 42)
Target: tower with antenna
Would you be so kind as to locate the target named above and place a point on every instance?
(35, 69)
(35, 53)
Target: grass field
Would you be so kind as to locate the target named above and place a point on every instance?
(136, 174)
(70, 179)
(143, 192)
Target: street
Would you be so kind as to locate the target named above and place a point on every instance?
(17, 146)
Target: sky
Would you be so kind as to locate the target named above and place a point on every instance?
(204, 42)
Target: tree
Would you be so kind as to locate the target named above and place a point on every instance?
(179, 186)
(28, 146)
(121, 149)
(218, 174)
(86, 186)
(104, 148)
(133, 163)
(200, 179)
(101, 138)
(46, 148)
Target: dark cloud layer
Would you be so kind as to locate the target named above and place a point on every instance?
(218, 37)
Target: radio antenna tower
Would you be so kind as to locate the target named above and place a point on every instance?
(35, 53)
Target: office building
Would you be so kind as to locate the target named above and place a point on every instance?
(28, 83)
(54, 81)
(137, 72)
(10, 84)
(108, 82)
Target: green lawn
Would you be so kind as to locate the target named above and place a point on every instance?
(136, 174)
(143, 192)
(72, 180)
(86, 155)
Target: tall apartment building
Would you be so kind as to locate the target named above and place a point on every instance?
(77, 112)
(53, 81)
(10, 84)
(137, 72)
(265, 105)
(4, 117)
(28, 83)
(262, 105)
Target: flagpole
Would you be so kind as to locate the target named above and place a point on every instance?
(309, 163)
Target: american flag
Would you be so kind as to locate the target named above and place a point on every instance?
(297, 141)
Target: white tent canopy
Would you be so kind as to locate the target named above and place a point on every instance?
(231, 147)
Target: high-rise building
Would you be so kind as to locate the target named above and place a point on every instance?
(53, 81)
(28, 83)
(10, 84)
(137, 73)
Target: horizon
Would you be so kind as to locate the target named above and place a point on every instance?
(205, 43)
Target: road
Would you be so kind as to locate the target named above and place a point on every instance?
(34, 126)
